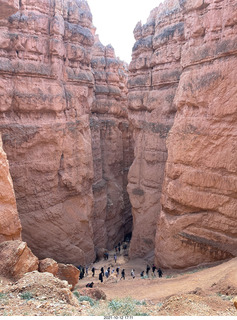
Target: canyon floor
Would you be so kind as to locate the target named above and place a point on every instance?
(201, 291)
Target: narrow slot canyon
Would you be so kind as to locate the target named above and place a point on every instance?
(99, 150)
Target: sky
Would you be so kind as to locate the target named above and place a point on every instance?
(115, 21)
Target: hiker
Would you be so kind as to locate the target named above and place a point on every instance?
(122, 274)
(117, 270)
(133, 274)
(153, 269)
(90, 285)
(147, 270)
(93, 272)
(107, 273)
(142, 274)
(101, 277)
(86, 270)
(115, 258)
(106, 255)
(102, 271)
(160, 273)
(108, 270)
(119, 247)
(116, 248)
(124, 246)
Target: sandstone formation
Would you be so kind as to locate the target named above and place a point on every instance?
(112, 148)
(10, 226)
(198, 221)
(8, 7)
(153, 79)
(68, 272)
(47, 90)
(16, 259)
(48, 265)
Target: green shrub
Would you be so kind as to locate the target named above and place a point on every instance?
(86, 298)
(76, 293)
(126, 307)
(26, 295)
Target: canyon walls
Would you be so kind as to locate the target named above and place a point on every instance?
(198, 219)
(52, 124)
(153, 79)
(112, 148)
(46, 88)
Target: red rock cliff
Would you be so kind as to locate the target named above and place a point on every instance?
(112, 148)
(46, 93)
(48, 90)
(153, 79)
(198, 221)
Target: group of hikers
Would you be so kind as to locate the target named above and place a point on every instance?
(106, 273)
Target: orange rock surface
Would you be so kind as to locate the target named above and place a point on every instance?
(10, 226)
(153, 79)
(112, 148)
(198, 219)
(8, 7)
(16, 259)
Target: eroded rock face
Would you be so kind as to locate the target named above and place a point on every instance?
(153, 79)
(48, 265)
(8, 7)
(198, 221)
(68, 272)
(112, 148)
(46, 88)
(10, 226)
(16, 259)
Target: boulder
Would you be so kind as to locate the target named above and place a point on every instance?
(48, 265)
(68, 272)
(16, 259)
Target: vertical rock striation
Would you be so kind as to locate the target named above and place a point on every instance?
(198, 220)
(46, 88)
(112, 148)
(153, 79)
(53, 96)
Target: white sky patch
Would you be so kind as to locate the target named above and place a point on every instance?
(115, 21)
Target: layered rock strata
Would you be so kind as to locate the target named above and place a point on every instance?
(46, 88)
(153, 79)
(198, 219)
(112, 148)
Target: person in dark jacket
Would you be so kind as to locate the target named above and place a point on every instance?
(147, 270)
(101, 277)
(93, 272)
(142, 274)
(153, 269)
(122, 274)
(160, 272)
(102, 270)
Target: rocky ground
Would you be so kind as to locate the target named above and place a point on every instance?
(203, 291)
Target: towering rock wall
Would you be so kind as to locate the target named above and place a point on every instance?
(52, 98)
(112, 148)
(198, 220)
(154, 75)
(46, 88)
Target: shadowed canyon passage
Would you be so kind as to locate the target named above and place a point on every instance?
(90, 140)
